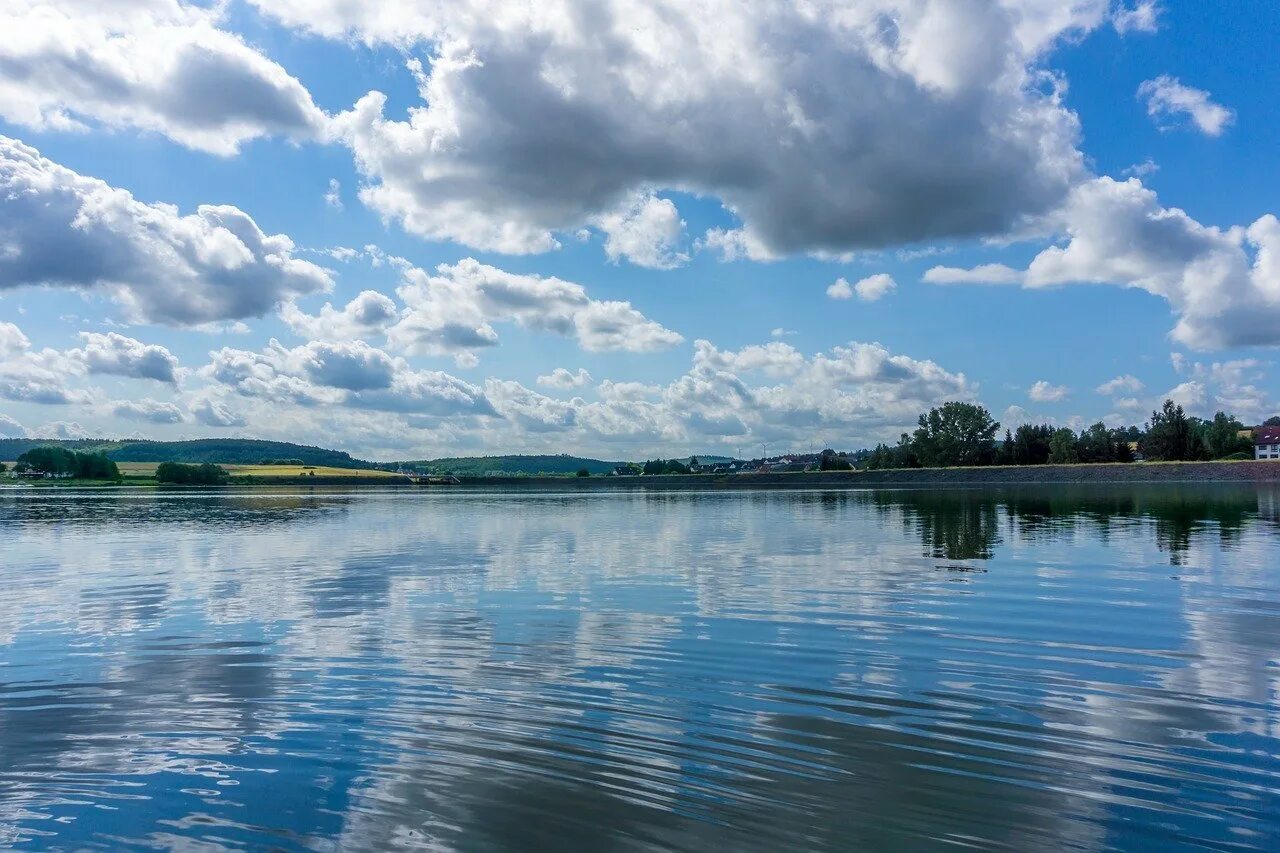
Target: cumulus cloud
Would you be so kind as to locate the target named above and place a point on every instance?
(154, 65)
(367, 315)
(1045, 392)
(982, 274)
(821, 128)
(1168, 99)
(1223, 284)
(117, 355)
(565, 380)
(1142, 17)
(452, 312)
(212, 413)
(1126, 384)
(151, 411)
(840, 289)
(874, 287)
(351, 374)
(646, 230)
(64, 430)
(850, 395)
(9, 428)
(736, 244)
(63, 229)
(42, 376)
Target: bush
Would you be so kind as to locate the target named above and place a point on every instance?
(176, 473)
(583, 472)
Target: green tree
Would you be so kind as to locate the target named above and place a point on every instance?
(832, 461)
(3, 467)
(1171, 436)
(1274, 420)
(1096, 444)
(955, 434)
(176, 473)
(1221, 436)
(1062, 448)
(1030, 445)
(583, 472)
(68, 463)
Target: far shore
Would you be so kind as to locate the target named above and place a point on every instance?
(1245, 471)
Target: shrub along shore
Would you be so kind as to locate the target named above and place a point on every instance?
(1248, 471)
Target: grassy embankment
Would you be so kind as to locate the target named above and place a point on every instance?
(143, 474)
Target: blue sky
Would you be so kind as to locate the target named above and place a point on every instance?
(728, 223)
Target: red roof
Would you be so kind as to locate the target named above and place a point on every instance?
(1266, 435)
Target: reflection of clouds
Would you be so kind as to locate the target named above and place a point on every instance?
(434, 669)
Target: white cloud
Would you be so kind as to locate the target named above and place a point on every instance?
(351, 374)
(452, 311)
(839, 289)
(37, 376)
(12, 341)
(873, 287)
(155, 65)
(214, 414)
(367, 315)
(1224, 285)
(982, 274)
(1190, 395)
(64, 229)
(117, 355)
(65, 430)
(736, 244)
(565, 380)
(1045, 392)
(780, 332)
(151, 411)
(938, 113)
(1141, 170)
(1126, 384)
(1142, 17)
(333, 195)
(9, 428)
(1167, 97)
(646, 230)
(848, 396)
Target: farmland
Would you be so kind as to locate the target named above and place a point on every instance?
(148, 469)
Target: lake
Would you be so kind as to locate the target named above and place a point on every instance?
(1066, 667)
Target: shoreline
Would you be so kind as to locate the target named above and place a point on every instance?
(1244, 471)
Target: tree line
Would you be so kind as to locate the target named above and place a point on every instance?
(61, 462)
(205, 474)
(964, 434)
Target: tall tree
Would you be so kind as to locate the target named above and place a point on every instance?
(955, 434)
(1062, 448)
(1171, 436)
(1222, 437)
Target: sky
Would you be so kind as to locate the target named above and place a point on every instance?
(631, 228)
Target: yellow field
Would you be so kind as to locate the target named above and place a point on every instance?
(147, 469)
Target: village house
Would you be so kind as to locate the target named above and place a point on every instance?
(1266, 443)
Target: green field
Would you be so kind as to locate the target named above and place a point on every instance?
(148, 469)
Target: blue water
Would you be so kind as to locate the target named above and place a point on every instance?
(1048, 668)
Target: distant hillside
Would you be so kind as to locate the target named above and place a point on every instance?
(479, 466)
(230, 451)
(12, 448)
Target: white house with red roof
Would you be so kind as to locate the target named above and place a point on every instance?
(1266, 442)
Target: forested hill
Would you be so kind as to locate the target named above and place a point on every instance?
(229, 451)
(479, 466)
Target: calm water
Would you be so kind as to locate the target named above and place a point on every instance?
(877, 670)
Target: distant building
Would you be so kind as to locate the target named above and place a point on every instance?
(1266, 443)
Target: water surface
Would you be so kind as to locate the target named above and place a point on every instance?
(1031, 669)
